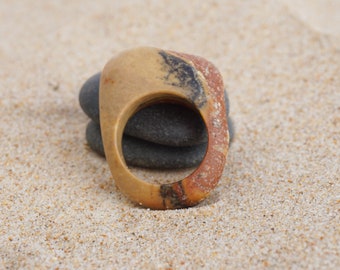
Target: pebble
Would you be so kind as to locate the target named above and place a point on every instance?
(89, 97)
(145, 154)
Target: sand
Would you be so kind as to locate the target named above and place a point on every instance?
(277, 204)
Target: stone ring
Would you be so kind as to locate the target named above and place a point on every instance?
(145, 76)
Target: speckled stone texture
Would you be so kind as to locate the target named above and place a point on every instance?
(277, 204)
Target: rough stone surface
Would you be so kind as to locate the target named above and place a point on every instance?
(165, 124)
(145, 154)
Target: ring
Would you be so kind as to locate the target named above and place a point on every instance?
(145, 76)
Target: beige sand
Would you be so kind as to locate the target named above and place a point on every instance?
(277, 204)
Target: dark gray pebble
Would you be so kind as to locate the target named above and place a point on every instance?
(165, 124)
(89, 97)
(145, 154)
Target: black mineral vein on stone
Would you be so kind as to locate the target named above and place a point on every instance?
(185, 77)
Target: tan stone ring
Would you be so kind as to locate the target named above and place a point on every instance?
(140, 77)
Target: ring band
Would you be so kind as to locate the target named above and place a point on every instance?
(143, 76)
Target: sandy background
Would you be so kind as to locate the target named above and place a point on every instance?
(277, 204)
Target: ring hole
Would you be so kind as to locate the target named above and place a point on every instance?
(164, 142)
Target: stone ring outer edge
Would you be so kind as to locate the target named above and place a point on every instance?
(143, 76)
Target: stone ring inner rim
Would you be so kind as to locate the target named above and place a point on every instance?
(157, 100)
